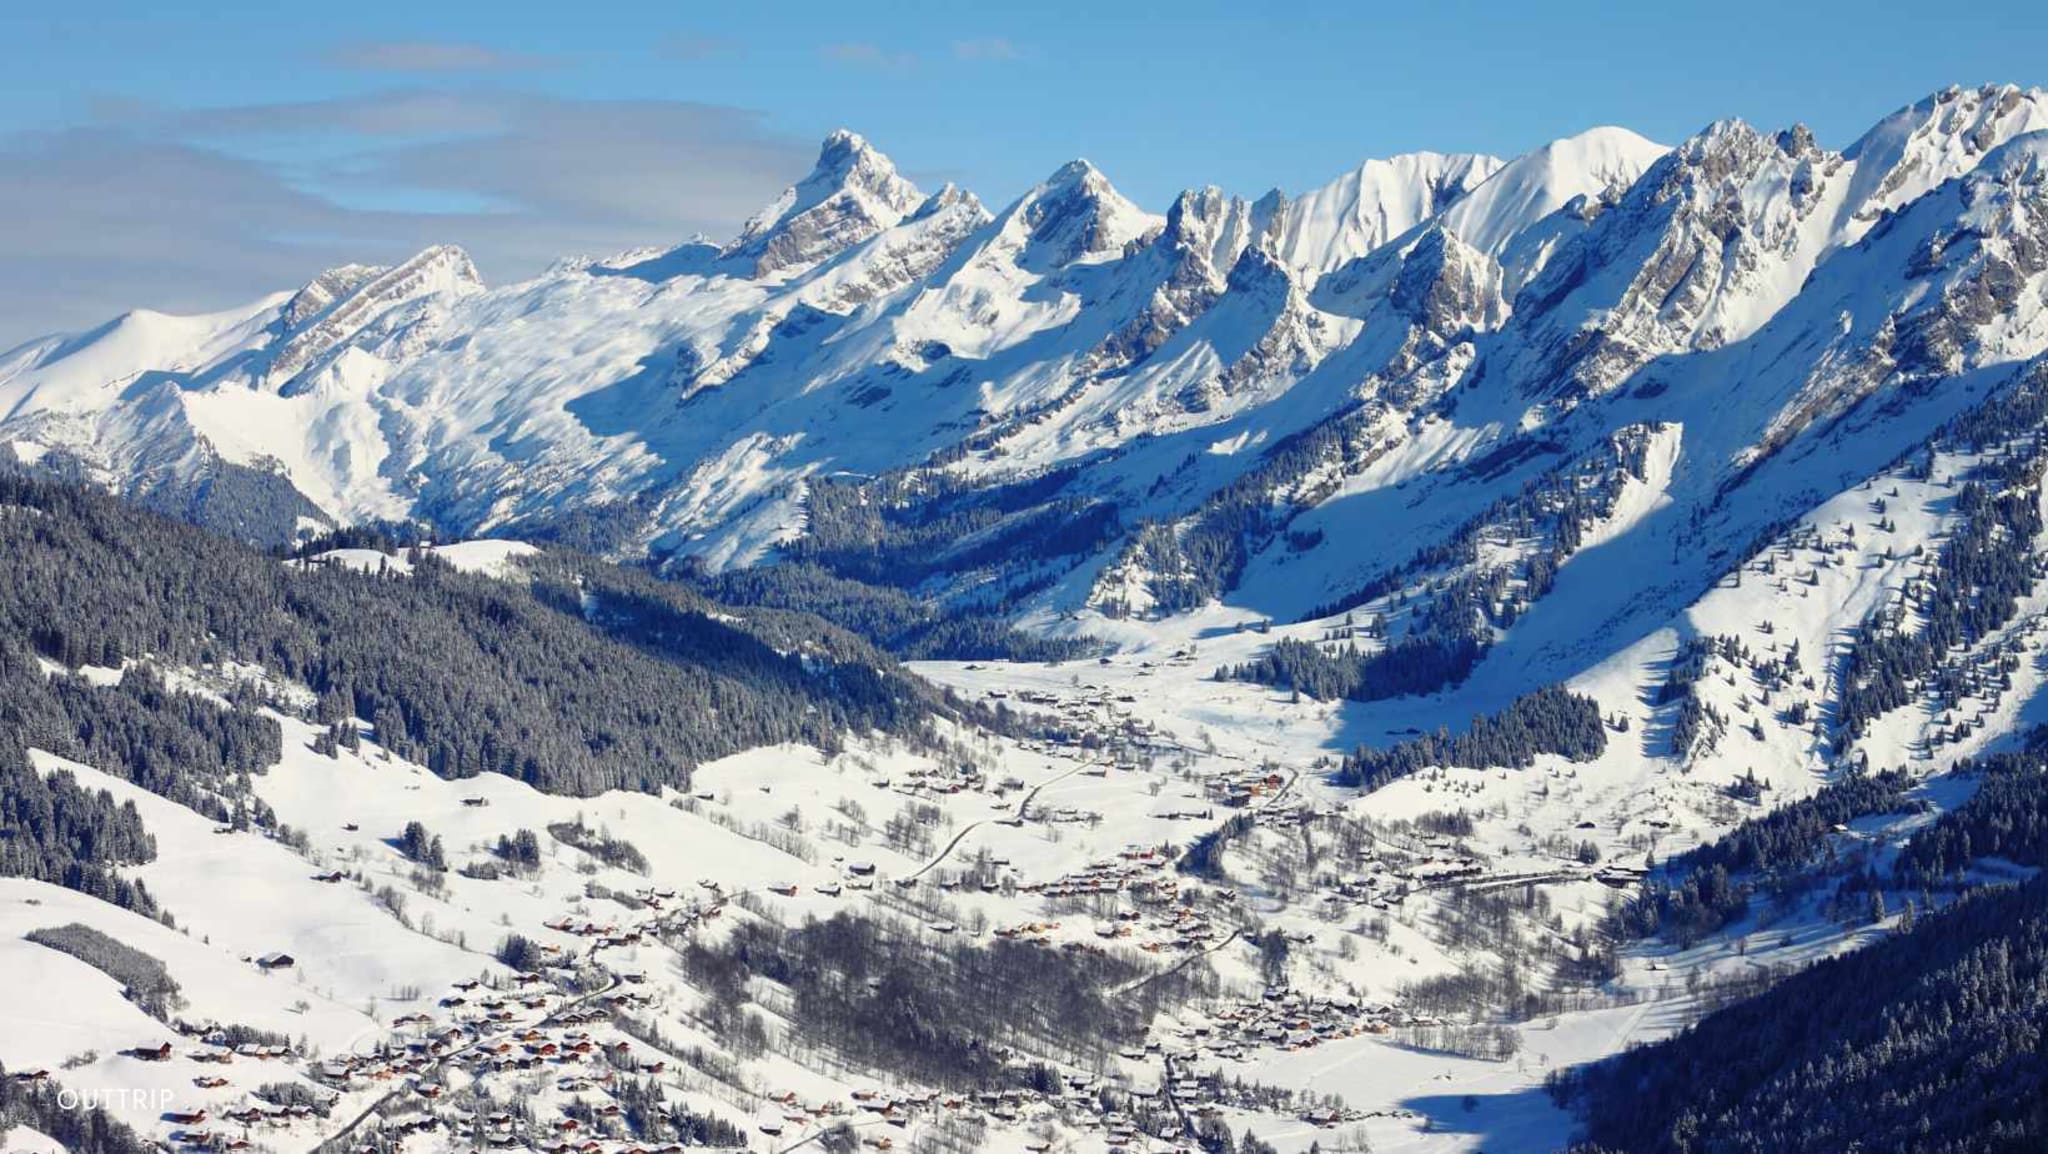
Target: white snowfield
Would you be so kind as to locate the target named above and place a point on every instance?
(489, 557)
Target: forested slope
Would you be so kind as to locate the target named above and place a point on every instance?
(1928, 1041)
(581, 679)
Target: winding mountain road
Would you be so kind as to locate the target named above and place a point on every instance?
(1023, 807)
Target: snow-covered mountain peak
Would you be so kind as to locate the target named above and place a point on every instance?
(1935, 139)
(443, 269)
(1608, 150)
(1597, 162)
(1722, 150)
(1151, 361)
(847, 162)
(852, 193)
(1702, 250)
(1077, 214)
(85, 372)
(1081, 172)
(844, 146)
(1518, 215)
(1193, 208)
(322, 291)
(1374, 203)
(900, 255)
(949, 196)
(1212, 228)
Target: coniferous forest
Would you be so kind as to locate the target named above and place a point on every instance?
(591, 678)
(1929, 1041)
(1549, 720)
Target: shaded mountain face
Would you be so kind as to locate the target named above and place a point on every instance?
(1072, 410)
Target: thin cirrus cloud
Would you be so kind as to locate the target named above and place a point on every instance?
(862, 54)
(990, 49)
(425, 57)
(189, 210)
(694, 48)
(866, 54)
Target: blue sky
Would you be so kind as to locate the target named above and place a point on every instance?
(186, 155)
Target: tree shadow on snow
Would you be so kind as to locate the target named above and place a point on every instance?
(1521, 1122)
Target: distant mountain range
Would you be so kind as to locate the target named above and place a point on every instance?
(1075, 406)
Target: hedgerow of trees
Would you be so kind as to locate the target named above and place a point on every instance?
(1548, 720)
(144, 979)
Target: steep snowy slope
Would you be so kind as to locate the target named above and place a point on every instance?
(315, 330)
(375, 390)
(1498, 217)
(75, 375)
(1364, 209)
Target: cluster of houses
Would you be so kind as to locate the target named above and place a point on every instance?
(393, 1061)
(1105, 718)
(602, 936)
(1286, 1019)
(530, 1033)
(1110, 1111)
(270, 1114)
(218, 1051)
(193, 1131)
(1380, 891)
(668, 913)
(928, 781)
(1287, 813)
(1062, 815)
(582, 1060)
(1143, 875)
(1075, 1101)
(192, 1134)
(1141, 871)
(1431, 863)
(500, 1130)
(524, 1026)
(1198, 1097)
(1243, 788)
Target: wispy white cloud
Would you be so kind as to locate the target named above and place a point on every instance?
(862, 54)
(682, 47)
(429, 56)
(189, 210)
(995, 48)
